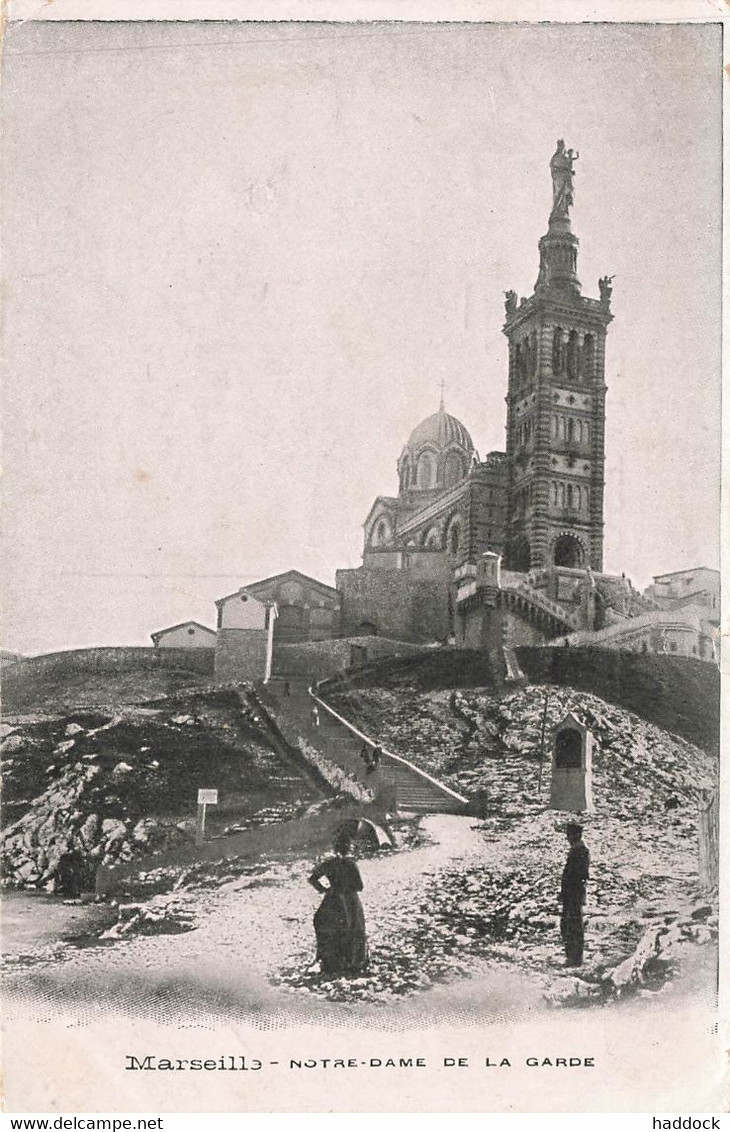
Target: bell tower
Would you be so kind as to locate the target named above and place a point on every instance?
(556, 401)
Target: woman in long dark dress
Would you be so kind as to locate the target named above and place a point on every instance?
(339, 922)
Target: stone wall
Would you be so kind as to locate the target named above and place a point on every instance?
(487, 518)
(518, 631)
(400, 604)
(240, 654)
(680, 694)
(321, 659)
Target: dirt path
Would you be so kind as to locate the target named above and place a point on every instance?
(252, 927)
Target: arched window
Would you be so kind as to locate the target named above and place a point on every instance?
(572, 360)
(568, 551)
(568, 749)
(526, 359)
(571, 496)
(432, 539)
(558, 350)
(518, 363)
(554, 493)
(561, 494)
(382, 532)
(588, 356)
(405, 476)
(570, 430)
(426, 471)
(453, 536)
(453, 469)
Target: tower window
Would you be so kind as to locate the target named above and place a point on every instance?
(572, 359)
(588, 356)
(454, 539)
(426, 471)
(453, 469)
(558, 351)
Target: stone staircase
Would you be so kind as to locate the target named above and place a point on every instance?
(341, 743)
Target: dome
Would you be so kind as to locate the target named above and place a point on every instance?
(441, 430)
(437, 454)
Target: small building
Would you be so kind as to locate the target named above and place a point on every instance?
(700, 586)
(696, 591)
(244, 638)
(307, 609)
(241, 610)
(187, 635)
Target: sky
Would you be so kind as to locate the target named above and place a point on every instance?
(240, 259)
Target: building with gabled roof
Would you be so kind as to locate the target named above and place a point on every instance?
(186, 635)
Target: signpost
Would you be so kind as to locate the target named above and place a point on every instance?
(205, 798)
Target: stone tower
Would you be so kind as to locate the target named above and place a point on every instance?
(556, 401)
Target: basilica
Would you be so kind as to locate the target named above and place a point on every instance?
(495, 552)
(538, 505)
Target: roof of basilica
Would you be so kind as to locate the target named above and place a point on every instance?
(441, 430)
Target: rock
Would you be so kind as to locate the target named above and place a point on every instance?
(73, 729)
(12, 745)
(564, 991)
(113, 828)
(701, 912)
(121, 769)
(631, 971)
(28, 873)
(89, 830)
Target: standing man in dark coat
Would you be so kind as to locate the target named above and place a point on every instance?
(573, 895)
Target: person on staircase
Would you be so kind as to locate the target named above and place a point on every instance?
(339, 922)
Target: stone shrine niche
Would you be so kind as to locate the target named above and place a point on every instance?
(568, 749)
(571, 786)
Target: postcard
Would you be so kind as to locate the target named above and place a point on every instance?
(362, 633)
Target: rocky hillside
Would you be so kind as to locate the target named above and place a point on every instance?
(643, 836)
(70, 691)
(489, 747)
(91, 789)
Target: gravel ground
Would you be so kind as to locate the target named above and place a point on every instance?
(245, 947)
(253, 930)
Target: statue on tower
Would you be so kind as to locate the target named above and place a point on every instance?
(561, 167)
(605, 289)
(510, 303)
